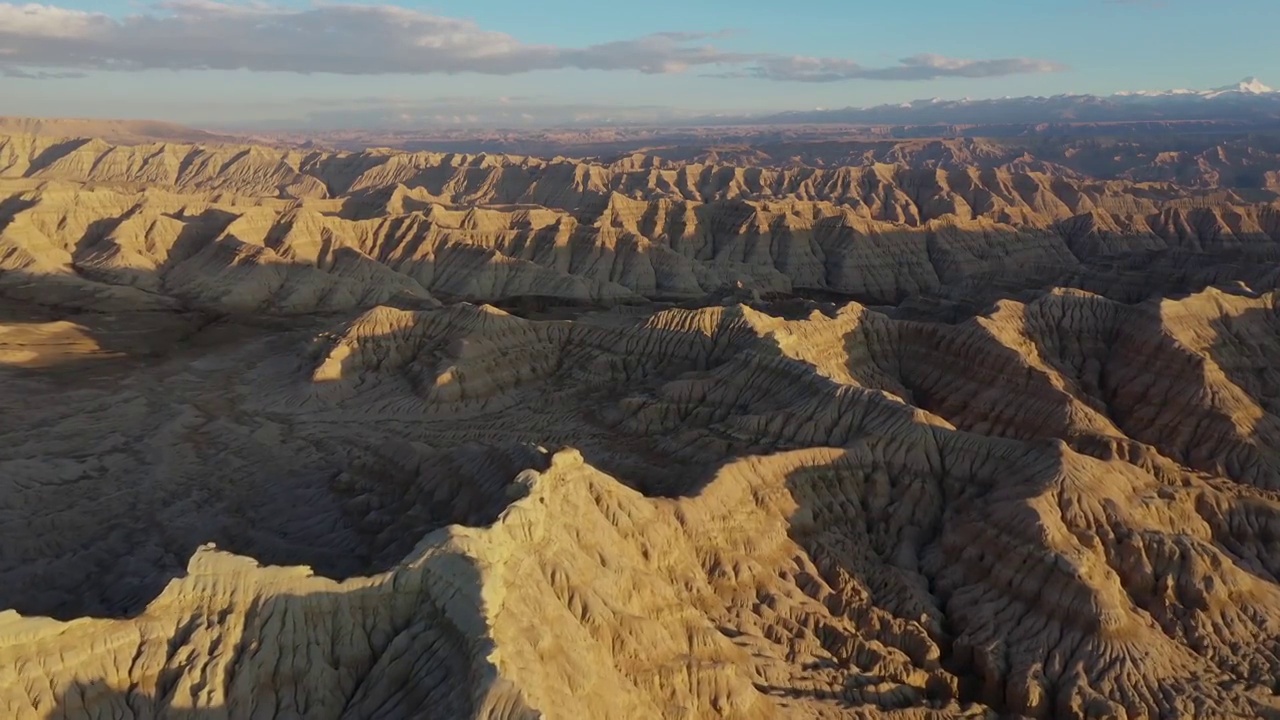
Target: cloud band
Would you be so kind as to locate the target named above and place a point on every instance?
(385, 39)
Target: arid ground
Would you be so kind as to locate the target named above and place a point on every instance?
(917, 429)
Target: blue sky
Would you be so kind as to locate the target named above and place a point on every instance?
(742, 58)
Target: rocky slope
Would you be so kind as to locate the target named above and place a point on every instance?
(124, 132)
(864, 442)
(253, 229)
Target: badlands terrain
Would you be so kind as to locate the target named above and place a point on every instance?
(930, 430)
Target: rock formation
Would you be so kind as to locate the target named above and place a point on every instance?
(365, 435)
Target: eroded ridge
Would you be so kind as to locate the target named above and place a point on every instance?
(259, 230)
(259, 483)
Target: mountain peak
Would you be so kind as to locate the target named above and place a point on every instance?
(1250, 85)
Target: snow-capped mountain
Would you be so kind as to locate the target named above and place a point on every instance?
(1248, 86)
(1249, 100)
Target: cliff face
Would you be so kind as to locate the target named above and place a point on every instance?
(262, 230)
(869, 442)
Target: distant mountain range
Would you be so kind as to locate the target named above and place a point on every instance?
(1248, 101)
(1249, 106)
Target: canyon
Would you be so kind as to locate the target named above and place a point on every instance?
(929, 428)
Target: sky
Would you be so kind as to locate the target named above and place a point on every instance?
(305, 63)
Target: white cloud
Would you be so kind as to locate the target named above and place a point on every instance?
(47, 22)
(23, 74)
(458, 111)
(917, 67)
(380, 39)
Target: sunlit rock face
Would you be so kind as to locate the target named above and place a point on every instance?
(384, 435)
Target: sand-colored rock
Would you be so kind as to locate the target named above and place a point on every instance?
(490, 437)
(253, 229)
